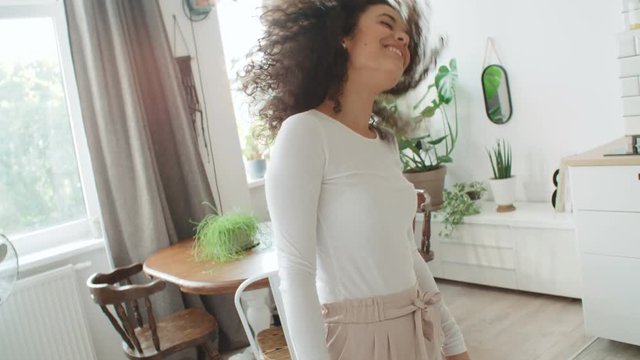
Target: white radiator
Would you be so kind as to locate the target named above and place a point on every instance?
(44, 319)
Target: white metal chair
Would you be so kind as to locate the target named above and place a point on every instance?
(255, 340)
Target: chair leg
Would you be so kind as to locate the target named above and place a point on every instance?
(210, 351)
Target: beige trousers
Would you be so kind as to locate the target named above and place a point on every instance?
(400, 326)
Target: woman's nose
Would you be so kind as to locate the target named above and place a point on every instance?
(403, 37)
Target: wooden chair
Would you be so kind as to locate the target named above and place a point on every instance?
(424, 206)
(156, 339)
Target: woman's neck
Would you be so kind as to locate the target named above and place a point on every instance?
(356, 106)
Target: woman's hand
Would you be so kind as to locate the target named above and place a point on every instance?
(461, 356)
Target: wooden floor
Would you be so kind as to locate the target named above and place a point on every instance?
(501, 324)
(603, 349)
(509, 325)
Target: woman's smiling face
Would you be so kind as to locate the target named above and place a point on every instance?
(379, 43)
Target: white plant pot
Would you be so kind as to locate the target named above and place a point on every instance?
(504, 193)
(256, 169)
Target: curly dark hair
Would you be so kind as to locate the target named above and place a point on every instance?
(300, 61)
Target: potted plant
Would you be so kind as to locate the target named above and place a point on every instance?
(254, 152)
(458, 204)
(475, 190)
(503, 183)
(223, 238)
(423, 154)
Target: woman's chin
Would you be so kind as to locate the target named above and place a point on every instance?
(392, 82)
(395, 76)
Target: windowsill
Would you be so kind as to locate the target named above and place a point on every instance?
(255, 183)
(51, 255)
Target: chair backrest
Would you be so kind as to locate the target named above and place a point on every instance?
(116, 289)
(274, 282)
(424, 206)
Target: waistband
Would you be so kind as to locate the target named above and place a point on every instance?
(409, 302)
(379, 308)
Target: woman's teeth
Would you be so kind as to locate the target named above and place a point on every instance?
(394, 50)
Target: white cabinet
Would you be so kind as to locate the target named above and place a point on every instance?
(606, 188)
(611, 297)
(607, 204)
(548, 261)
(476, 253)
(531, 249)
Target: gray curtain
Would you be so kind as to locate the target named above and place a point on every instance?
(150, 178)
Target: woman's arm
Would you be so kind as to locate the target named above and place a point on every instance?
(293, 188)
(453, 340)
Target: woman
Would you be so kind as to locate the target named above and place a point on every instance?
(352, 282)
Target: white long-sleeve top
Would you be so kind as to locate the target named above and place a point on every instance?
(342, 216)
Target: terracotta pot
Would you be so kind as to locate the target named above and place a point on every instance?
(430, 181)
(504, 193)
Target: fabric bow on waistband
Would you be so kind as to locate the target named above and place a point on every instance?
(423, 319)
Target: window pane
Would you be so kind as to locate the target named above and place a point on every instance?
(240, 28)
(39, 179)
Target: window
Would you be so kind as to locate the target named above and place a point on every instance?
(240, 28)
(47, 192)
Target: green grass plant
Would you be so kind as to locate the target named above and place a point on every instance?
(223, 238)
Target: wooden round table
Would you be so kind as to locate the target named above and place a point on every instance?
(177, 265)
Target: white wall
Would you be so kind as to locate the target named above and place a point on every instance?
(259, 202)
(560, 56)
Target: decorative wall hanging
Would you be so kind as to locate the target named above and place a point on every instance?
(495, 88)
(197, 10)
(189, 85)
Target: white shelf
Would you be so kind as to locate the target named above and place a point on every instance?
(527, 215)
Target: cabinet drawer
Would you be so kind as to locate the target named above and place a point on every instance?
(612, 188)
(548, 262)
(629, 66)
(478, 234)
(611, 297)
(477, 255)
(480, 275)
(609, 233)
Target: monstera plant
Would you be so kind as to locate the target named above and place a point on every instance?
(423, 155)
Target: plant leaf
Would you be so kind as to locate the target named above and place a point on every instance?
(424, 96)
(430, 110)
(446, 80)
(437, 140)
(409, 143)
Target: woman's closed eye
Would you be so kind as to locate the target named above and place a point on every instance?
(387, 25)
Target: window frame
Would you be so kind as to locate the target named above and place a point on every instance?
(241, 110)
(91, 226)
